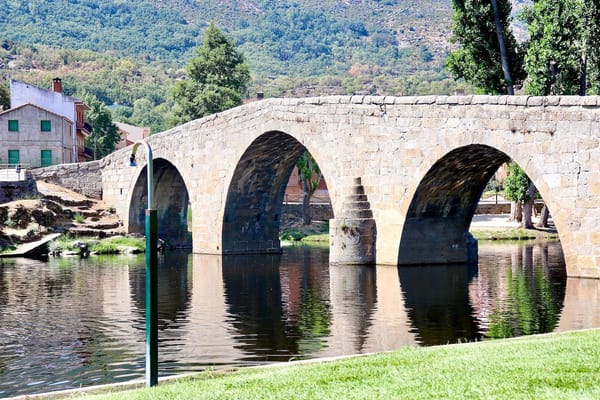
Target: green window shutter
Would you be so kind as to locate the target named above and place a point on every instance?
(13, 125)
(46, 158)
(13, 157)
(46, 125)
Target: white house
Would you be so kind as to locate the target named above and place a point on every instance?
(56, 101)
(34, 137)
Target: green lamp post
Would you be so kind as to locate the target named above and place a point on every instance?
(151, 272)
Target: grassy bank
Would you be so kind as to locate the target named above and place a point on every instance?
(555, 366)
(513, 234)
(318, 232)
(110, 245)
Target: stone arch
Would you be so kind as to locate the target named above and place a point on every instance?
(436, 225)
(254, 203)
(171, 200)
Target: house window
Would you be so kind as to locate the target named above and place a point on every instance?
(13, 125)
(46, 158)
(46, 125)
(13, 157)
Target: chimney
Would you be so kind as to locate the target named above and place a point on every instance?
(57, 85)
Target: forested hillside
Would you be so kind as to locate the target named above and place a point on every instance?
(123, 51)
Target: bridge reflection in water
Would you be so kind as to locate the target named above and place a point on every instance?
(70, 323)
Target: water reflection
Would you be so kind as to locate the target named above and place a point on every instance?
(519, 290)
(581, 308)
(175, 288)
(437, 302)
(68, 322)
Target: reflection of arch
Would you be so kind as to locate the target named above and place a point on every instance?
(171, 201)
(174, 287)
(253, 294)
(255, 196)
(438, 306)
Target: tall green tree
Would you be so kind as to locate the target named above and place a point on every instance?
(217, 78)
(104, 136)
(591, 46)
(488, 56)
(556, 47)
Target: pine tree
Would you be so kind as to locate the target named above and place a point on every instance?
(217, 78)
(480, 59)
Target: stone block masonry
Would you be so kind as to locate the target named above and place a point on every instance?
(84, 178)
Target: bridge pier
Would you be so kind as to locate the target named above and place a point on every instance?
(436, 241)
(352, 235)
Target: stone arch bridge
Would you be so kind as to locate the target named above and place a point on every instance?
(404, 173)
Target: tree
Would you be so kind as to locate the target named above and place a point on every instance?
(310, 176)
(555, 50)
(489, 56)
(104, 136)
(217, 78)
(520, 190)
(4, 98)
(145, 114)
(591, 45)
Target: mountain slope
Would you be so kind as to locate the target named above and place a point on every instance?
(300, 37)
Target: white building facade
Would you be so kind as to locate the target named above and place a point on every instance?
(34, 137)
(56, 101)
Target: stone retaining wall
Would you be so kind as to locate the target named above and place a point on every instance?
(10, 191)
(318, 212)
(84, 178)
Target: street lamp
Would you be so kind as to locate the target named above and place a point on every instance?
(151, 272)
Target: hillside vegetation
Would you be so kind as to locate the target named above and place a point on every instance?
(123, 51)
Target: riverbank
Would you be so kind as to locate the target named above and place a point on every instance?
(551, 366)
(498, 227)
(483, 227)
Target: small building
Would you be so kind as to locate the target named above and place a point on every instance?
(130, 134)
(56, 101)
(35, 137)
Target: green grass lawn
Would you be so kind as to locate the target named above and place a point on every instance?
(554, 366)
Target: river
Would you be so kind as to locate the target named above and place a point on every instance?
(71, 322)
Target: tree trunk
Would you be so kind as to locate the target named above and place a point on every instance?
(503, 53)
(516, 211)
(306, 195)
(527, 222)
(544, 215)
